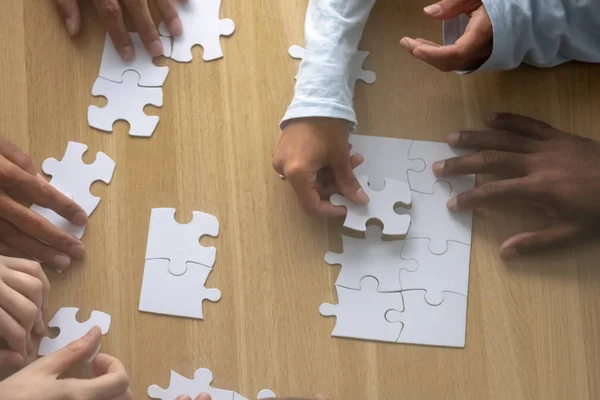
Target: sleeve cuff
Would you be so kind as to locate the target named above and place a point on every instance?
(320, 110)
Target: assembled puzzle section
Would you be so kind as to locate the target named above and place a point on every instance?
(73, 177)
(201, 26)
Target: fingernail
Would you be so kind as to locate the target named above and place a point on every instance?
(80, 219)
(90, 334)
(509, 252)
(70, 27)
(126, 53)
(404, 42)
(78, 251)
(156, 48)
(362, 197)
(432, 10)
(204, 396)
(452, 138)
(61, 261)
(452, 204)
(175, 27)
(438, 167)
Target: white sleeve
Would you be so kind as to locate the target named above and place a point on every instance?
(332, 31)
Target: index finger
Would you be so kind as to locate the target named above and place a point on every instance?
(111, 379)
(308, 195)
(145, 25)
(111, 14)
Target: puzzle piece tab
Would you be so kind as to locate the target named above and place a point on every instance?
(201, 26)
(180, 385)
(126, 102)
(180, 243)
(361, 313)
(380, 207)
(371, 257)
(71, 329)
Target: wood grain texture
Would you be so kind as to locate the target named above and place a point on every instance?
(533, 325)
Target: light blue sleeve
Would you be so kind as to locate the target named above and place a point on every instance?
(542, 33)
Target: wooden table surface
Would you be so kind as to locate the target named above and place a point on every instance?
(533, 325)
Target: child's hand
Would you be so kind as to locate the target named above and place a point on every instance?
(313, 155)
(470, 51)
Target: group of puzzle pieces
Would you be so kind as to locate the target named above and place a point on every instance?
(413, 289)
(130, 86)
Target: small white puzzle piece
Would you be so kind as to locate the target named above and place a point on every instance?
(384, 158)
(201, 26)
(180, 296)
(373, 257)
(180, 243)
(126, 102)
(181, 385)
(73, 177)
(437, 274)
(113, 66)
(356, 70)
(430, 152)
(430, 218)
(443, 325)
(71, 329)
(360, 314)
(381, 207)
(265, 394)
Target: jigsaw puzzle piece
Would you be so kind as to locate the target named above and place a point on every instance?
(265, 394)
(201, 26)
(430, 218)
(384, 158)
(296, 52)
(381, 207)
(437, 274)
(180, 243)
(71, 329)
(181, 296)
(126, 102)
(113, 66)
(360, 314)
(430, 152)
(373, 257)
(443, 325)
(180, 385)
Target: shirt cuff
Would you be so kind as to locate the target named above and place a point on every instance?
(317, 109)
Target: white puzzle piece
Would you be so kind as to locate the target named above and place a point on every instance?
(126, 102)
(373, 257)
(437, 274)
(113, 66)
(181, 296)
(381, 207)
(71, 329)
(356, 70)
(443, 325)
(201, 26)
(265, 394)
(361, 313)
(180, 243)
(180, 385)
(384, 158)
(430, 218)
(73, 177)
(430, 152)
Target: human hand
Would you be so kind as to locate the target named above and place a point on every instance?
(111, 13)
(313, 155)
(206, 396)
(544, 166)
(40, 379)
(24, 233)
(24, 289)
(470, 51)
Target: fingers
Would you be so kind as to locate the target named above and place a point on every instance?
(492, 140)
(13, 154)
(69, 11)
(169, 15)
(19, 307)
(11, 359)
(305, 186)
(484, 162)
(201, 396)
(33, 269)
(145, 25)
(526, 126)
(74, 353)
(13, 333)
(531, 242)
(491, 193)
(111, 14)
(447, 9)
(346, 181)
(111, 380)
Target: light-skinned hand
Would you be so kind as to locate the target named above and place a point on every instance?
(470, 51)
(111, 12)
(24, 233)
(40, 380)
(206, 396)
(313, 155)
(541, 166)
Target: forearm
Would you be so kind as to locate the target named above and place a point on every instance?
(333, 29)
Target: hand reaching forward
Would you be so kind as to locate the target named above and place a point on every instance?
(470, 51)
(40, 380)
(313, 154)
(206, 396)
(111, 12)
(543, 166)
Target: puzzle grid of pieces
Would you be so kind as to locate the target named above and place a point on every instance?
(409, 290)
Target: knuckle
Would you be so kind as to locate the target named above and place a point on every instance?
(23, 160)
(294, 169)
(452, 164)
(20, 335)
(111, 10)
(489, 189)
(136, 4)
(30, 312)
(490, 157)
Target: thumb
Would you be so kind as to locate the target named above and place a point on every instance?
(447, 9)
(74, 353)
(531, 242)
(347, 183)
